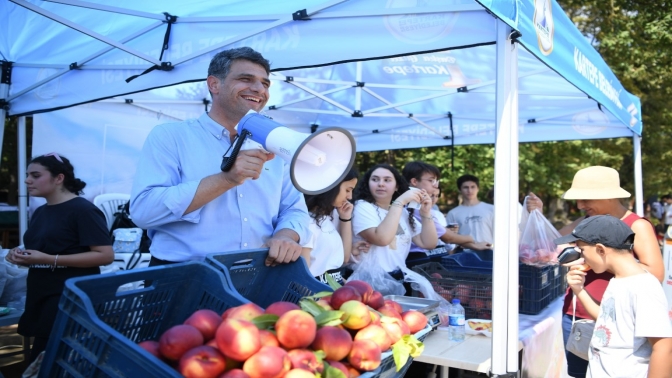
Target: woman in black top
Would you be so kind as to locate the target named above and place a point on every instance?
(67, 237)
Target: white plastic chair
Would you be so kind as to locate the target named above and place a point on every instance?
(109, 204)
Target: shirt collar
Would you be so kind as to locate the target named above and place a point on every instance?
(214, 128)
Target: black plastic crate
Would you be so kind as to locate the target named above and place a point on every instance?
(98, 327)
(467, 262)
(531, 277)
(263, 284)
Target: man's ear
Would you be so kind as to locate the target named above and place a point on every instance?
(413, 182)
(212, 83)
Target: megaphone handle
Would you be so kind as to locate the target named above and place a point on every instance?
(228, 161)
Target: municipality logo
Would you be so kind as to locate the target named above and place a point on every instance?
(543, 25)
(418, 28)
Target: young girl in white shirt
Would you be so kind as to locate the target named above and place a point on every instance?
(330, 244)
(380, 217)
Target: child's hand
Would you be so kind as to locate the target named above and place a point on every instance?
(576, 278)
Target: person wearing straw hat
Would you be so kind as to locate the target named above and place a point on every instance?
(597, 191)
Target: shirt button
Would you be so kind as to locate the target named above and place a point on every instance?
(245, 219)
(244, 244)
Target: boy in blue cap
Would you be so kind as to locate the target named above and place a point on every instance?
(633, 334)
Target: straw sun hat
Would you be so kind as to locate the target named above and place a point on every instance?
(595, 183)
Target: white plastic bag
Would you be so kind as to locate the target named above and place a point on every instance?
(370, 271)
(126, 240)
(421, 284)
(536, 245)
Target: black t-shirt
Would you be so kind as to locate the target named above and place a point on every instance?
(67, 228)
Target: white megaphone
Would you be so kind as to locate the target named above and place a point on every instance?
(318, 161)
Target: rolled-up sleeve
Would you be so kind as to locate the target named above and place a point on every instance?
(292, 213)
(158, 196)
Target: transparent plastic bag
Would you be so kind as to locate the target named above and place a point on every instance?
(422, 285)
(369, 270)
(536, 245)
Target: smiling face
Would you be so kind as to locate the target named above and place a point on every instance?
(345, 192)
(40, 182)
(244, 88)
(593, 207)
(382, 185)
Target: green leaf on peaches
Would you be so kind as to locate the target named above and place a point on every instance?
(329, 318)
(266, 321)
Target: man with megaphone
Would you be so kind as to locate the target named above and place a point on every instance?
(189, 206)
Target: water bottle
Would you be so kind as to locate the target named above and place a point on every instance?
(456, 321)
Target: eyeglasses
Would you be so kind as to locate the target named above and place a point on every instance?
(55, 155)
(435, 182)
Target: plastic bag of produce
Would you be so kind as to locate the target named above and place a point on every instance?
(536, 245)
(369, 270)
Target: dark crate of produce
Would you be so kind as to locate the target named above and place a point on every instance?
(473, 289)
(98, 327)
(263, 284)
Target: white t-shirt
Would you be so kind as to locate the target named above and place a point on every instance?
(327, 246)
(477, 221)
(668, 214)
(367, 215)
(632, 309)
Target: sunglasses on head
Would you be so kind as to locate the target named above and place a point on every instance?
(55, 155)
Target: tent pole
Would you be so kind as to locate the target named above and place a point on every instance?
(23, 191)
(505, 261)
(639, 191)
(5, 81)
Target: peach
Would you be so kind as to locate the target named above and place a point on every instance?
(296, 329)
(338, 365)
(375, 300)
(375, 317)
(355, 315)
(238, 339)
(205, 321)
(344, 294)
(389, 310)
(305, 359)
(268, 362)
(299, 373)
(202, 362)
(268, 338)
(279, 308)
(179, 339)
(152, 347)
(324, 304)
(436, 275)
(395, 305)
(393, 327)
(415, 320)
(375, 333)
(248, 311)
(352, 372)
(234, 373)
(334, 342)
(362, 287)
(364, 355)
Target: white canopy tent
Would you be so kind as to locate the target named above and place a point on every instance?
(453, 73)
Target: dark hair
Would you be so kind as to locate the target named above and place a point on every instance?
(221, 63)
(364, 193)
(415, 170)
(322, 205)
(464, 178)
(56, 167)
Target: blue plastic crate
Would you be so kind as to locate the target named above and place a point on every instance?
(531, 277)
(98, 327)
(467, 262)
(532, 301)
(263, 284)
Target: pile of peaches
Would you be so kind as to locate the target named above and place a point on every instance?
(338, 334)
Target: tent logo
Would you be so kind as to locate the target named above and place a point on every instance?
(50, 89)
(419, 28)
(592, 122)
(543, 25)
